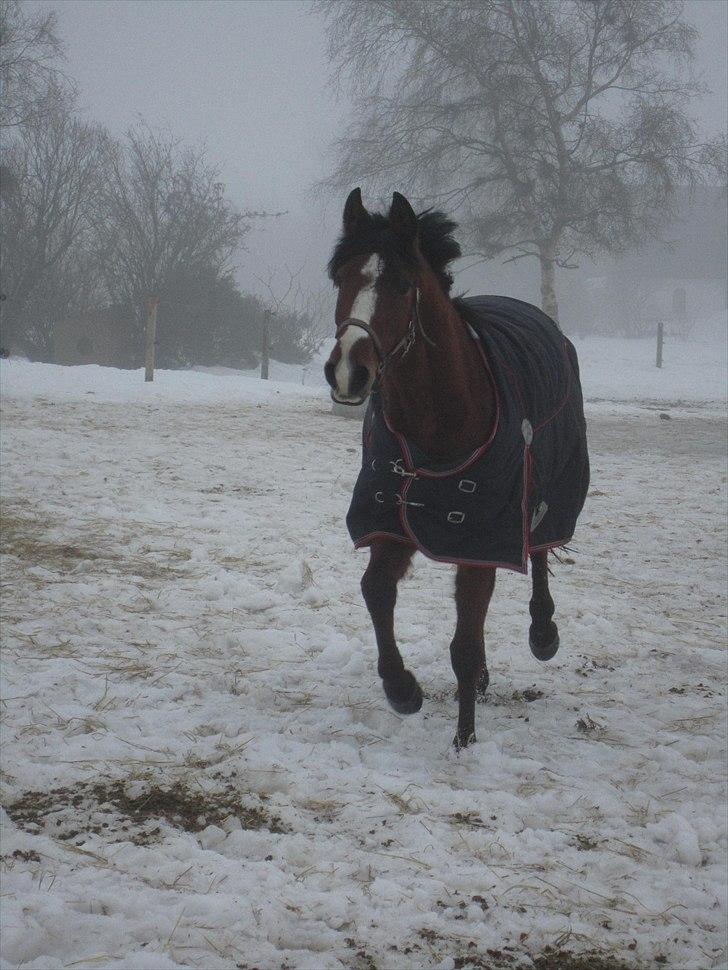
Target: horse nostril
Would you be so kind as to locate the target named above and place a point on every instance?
(359, 380)
(329, 374)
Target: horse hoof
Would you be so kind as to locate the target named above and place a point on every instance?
(544, 641)
(460, 743)
(404, 694)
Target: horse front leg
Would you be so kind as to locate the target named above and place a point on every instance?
(543, 636)
(388, 563)
(473, 590)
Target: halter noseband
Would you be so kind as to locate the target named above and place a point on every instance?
(402, 347)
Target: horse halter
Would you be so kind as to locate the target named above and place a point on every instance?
(403, 345)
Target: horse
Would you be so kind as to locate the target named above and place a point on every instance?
(474, 440)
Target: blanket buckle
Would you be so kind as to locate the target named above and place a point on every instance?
(399, 469)
(400, 501)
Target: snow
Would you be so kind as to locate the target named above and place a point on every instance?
(182, 615)
(613, 369)
(624, 370)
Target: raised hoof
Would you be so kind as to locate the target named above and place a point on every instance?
(544, 641)
(460, 743)
(404, 694)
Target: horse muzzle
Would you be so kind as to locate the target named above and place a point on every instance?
(351, 369)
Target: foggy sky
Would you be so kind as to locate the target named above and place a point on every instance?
(249, 78)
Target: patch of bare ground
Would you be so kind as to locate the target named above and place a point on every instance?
(552, 958)
(507, 958)
(120, 814)
(555, 959)
(26, 538)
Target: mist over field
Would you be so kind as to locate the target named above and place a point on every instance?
(200, 767)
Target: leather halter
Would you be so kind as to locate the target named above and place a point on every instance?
(403, 345)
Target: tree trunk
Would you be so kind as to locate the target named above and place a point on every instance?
(151, 338)
(548, 283)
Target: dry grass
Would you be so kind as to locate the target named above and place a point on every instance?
(119, 813)
(25, 538)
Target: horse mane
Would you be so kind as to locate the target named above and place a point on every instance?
(435, 238)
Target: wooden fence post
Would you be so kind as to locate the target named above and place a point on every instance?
(660, 338)
(265, 349)
(152, 304)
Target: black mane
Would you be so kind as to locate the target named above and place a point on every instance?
(435, 239)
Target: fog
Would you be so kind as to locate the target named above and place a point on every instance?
(214, 754)
(251, 81)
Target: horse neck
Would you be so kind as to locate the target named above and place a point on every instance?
(441, 397)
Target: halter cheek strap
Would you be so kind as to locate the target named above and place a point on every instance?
(402, 346)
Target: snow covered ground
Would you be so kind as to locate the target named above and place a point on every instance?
(200, 767)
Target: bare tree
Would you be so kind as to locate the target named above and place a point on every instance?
(30, 77)
(559, 128)
(295, 320)
(47, 213)
(163, 211)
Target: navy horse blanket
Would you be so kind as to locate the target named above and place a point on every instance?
(522, 490)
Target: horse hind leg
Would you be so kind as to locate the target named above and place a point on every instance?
(473, 590)
(388, 563)
(543, 636)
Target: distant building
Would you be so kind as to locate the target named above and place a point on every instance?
(682, 281)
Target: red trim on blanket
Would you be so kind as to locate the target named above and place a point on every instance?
(525, 523)
(477, 454)
(480, 563)
(550, 545)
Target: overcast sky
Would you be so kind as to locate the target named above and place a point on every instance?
(249, 78)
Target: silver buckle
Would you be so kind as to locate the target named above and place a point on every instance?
(379, 497)
(401, 501)
(466, 485)
(527, 431)
(399, 469)
(455, 517)
(538, 514)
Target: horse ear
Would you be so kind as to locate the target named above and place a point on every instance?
(355, 215)
(402, 218)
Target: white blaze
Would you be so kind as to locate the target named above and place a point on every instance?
(362, 309)
(366, 298)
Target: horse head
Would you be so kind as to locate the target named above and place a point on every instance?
(375, 269)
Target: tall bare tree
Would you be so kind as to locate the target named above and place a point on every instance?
(559, 127)
(295, 321)
(46, 217)
(30, 76)
(163, 212)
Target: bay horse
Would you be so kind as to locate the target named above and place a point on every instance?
(474, 442)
